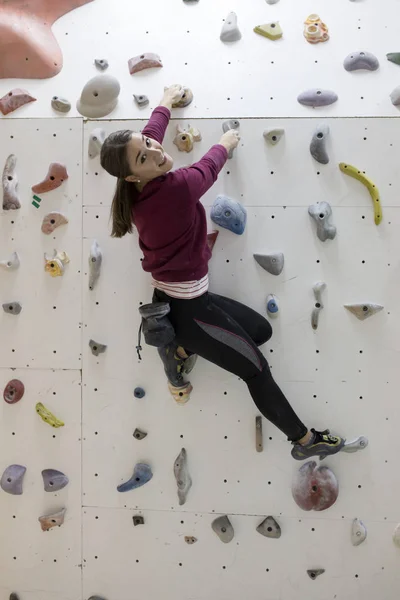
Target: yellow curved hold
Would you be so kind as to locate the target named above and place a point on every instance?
(47, 416)
(371, 187)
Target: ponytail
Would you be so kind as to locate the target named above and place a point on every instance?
(121, 208)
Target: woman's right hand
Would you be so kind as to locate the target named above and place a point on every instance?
(230, 140)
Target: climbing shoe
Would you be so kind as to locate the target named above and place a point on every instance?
(322, 444)
(181, 394)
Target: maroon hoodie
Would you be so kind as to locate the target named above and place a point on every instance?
(168, 214)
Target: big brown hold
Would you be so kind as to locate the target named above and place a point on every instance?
(315, 488)
(28, 48)
(56, 175)
(13, 391)
(16, 97)
(148, 60)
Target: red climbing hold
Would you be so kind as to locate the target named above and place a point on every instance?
(13, 391)
(57, 173)
(315, 488)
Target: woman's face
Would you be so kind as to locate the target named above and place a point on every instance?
(147, 159)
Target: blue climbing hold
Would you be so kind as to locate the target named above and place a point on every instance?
(139, 392)
(142, 474)
(272, 306)
(229, 214)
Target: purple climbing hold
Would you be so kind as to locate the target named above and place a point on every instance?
(11, 481)
(229, 214)
(142, 474)
(54, 480)
(317, 97)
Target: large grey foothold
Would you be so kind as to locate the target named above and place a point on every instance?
(101, 63)
(230, 30)
(54, 480)
(227, 126)
(12, 263)
(318, 144)
(321, 212)
(97, 348)
(358, 532)
(355, 445)
(317, 97)
(223, 528)
(364, 311)
(10, 184)
(361, 60)
(99, 97)
(12, 308)
(182, 476)
(141, 100)
(12, 479)
(314, 573)
(95, 260)
(54, 520)
(96, 140)
(60, 104)
(273, 263)
(270, 528)
(395, 96)
(273, 136)
(318, 288)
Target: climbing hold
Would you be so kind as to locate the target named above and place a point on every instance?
(15, 99)
(54, 480)
(394, 57)
(270, 528)
(272, 31)
(223, 528)
(139, 435)
(96, 139)
(318, 144)
(36, 201)
(60, 104)
(317, 97)
(99, 97)
(354, 446)
(139, 392)
(137, 520)
(211, 239)
(313, 574)
(14, 596)
(10, 185)
(97, 348)
(141, 474)
(396, 536)
(259, 434)
(181, 394)
(185, 139)
(95, 260)
(186, 99)
(273, 136)
(314, 488)
(190, 539)
(12, 263)
(148, 60)
(272, 306)
(315, 30)
(55, 265)
(52, 221)
(12, 478)
(395, 96)
(53, 520)
(361, 60)
(96, 598)
(358, 532)
(227, 126)
(182, 476)
(271, 1)
(321, 212)
(371, 187)
(318, 288)
(12, 308)
(56, 175)
(363, 311)
(230, 31)
(229, 214)
(141, 100)
(47, 416)
(13, 391)
(101, 63)
(273, 263)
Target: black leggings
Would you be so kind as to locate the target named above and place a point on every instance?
(228, 334)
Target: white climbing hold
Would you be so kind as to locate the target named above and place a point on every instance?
(182, 476)
(96, 140)
(273, 263)
(363, 311)
(318, 288)
(321, 212)
(395, 96)
(11, 263)
(230, 30)
(95, 260)
(358, 532)
(273, 136)
(396, 536)
(99, 97)
(10, 185)
(355, 445)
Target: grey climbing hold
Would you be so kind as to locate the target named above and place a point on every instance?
(139, 392)
(270, 528)
(396, 536)
(230, 30)
(96, 598)
(95, 260)
(182, 476)
(137, 520)
(273, 136)
(318, 144)
(318, 288)
(271, 1)
(54, 520)
(14, 596)
(99, 97)
(141, 100)
(54, 480)
(138, 434)
(358, 532)
(321, 212)
(355, 445)
(395, 96)
(317, 97)
(314, 573)
(97, 348)
(273, 263)
(96, 140)
(12, 479)
(190, 539)
(361, 60)
(142, 474)
(10, 184)
(259, 434)
(223, 528)
(394, 57)
(272, 306)
(60, 104)
(229, 214)
(227, 126)
(12, 263)
(12, 308)
(364, 311)
(101, 63)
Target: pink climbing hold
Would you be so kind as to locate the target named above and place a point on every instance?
(148, 60)
(315, 488)
(56, 175)
(13, 391)
(15, 99)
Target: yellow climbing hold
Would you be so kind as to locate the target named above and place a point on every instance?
(47, 416)
(272, 31)
(371, 187)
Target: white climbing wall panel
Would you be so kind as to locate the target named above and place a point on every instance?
(344, 376)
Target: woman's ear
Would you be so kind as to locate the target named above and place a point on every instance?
(132, 179)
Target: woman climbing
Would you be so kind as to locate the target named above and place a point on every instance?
(165, 208)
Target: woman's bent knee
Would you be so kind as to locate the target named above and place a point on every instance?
(263, 333)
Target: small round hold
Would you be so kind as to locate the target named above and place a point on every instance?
(272, 306)
(139, 392)
(13, 391)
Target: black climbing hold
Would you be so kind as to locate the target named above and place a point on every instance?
(138, 520)
(139, 392)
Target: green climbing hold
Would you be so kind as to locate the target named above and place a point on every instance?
(36, 201)
(394, 57)
(272, 31)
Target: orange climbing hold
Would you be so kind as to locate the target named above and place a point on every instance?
(56, 175)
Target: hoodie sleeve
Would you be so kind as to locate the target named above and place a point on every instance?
(157, 124)
(202, 175)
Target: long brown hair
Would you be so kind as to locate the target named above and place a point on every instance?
(114, 160)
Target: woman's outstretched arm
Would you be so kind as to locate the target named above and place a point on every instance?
(160, 116)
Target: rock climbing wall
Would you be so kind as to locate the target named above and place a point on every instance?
(343, 375)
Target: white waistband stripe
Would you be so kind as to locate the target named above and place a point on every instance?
(183, 289)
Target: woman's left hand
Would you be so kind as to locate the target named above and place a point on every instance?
(172, 95)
